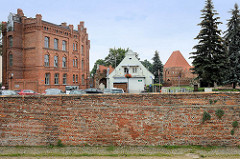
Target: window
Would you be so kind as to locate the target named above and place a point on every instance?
(56, 44)
(10, 38)
(46, 42)
(75, 63)
(47, 78)
(56, 76)
(10, 59)
(65, 78)
(73, 78)
(73, 46)
(46, 60)
(55, 61)
(64, 62)
(76, 46)
(134, 69)
(76, 79)
(126, 70)
(64, 45)
(83, 82)
(82, 65)
(82, 49)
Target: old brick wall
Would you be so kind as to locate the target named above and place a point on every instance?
(128, 119)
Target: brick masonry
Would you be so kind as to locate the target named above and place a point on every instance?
(128, 119)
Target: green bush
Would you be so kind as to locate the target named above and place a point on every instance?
(59, 143)
(235, 124)
(219, 113)
(232, 132)
(200, 89)
(110, 148)
(206, 116)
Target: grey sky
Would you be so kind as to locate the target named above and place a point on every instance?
(141, 25)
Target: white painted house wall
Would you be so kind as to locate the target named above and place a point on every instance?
(140, 75)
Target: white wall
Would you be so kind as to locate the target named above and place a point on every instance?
(136, 85)
(130, 61)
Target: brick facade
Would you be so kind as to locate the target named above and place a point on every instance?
(177, 71)
(126, 119)
(38, 55)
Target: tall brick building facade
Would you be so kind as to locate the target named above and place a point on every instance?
(38, 55)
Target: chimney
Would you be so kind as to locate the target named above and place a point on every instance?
(64, 24)
(71, 28)
(81, 26)
(20, 12)
(39, 19)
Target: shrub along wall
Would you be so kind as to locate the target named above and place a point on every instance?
(127, 119)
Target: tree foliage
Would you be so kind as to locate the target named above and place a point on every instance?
(148, 65)
(115, 56)
(209, 59)
(157, 68)
(98, 62)
(232, 40)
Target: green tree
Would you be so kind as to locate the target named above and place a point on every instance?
(232, 40)
(157, 68)
(98, 62)
(148, 65)
(210, 55)
(115, 56)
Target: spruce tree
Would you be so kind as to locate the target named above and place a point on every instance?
(148, 65)
(209, 59)
(232, 39)
(157, 68)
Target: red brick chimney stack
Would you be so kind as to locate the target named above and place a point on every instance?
(20, 12)
(64, 24)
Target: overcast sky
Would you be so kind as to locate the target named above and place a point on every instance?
(141, 25)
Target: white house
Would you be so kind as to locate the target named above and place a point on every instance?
(131, 65)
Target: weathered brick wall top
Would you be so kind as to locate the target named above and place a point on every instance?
(127, 119)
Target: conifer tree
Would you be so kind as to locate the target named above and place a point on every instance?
(232, 39)
(209, 59)
(157, 68)
(148, 65)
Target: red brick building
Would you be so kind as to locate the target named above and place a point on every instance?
(101, 75)
(176, 71)
(38, 55)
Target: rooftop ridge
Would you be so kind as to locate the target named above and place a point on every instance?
(177, 60)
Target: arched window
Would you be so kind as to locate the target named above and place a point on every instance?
(56, 44)
(82, 48)
(10, 59)
(10, 40)
(64, 45)
(46, 42)
(76, 44)
(82, 65)
(83, 82)
(56, 61)
(64, 62)
(75, 62)
(46, 60)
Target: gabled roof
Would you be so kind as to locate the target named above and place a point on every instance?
(177, 60)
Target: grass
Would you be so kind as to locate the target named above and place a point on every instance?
(80, 155)
(159, 151)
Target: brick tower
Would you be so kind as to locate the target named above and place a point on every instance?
(176, 71)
